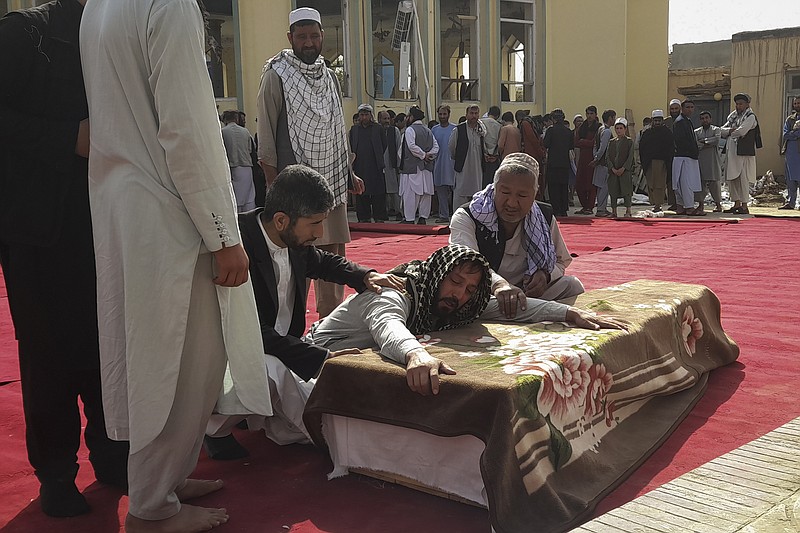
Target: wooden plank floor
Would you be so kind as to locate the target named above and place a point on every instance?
(753, 489)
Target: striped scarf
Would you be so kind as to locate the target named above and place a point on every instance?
(539, 248)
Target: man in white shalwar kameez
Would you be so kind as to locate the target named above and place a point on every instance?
(168, 253)
(740, 171)
(417, 154)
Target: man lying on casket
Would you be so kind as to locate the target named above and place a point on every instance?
(448, 290)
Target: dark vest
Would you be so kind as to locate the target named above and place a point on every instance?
(493, 245)
(752, 139)
(462, 146)
(424, 139)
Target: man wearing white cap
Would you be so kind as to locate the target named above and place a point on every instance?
(656, 149)
(669, 122)
(292, 130)
(685, 164)
(744, 136)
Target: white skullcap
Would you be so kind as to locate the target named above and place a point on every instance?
(657, 113)
(674, 101)
(576, 117)
(621, 120)
(365, 107)
(304, 13)
(521, 159)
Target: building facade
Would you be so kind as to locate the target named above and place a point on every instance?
(521, 54)
(517, 54)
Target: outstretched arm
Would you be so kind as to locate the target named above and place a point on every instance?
(386, 317)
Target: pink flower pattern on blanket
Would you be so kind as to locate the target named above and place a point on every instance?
(692, 330)
(600, 381)
(564, 385)
(566, 378)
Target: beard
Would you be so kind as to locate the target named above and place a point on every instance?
(448, 310)
(291, 241)
(307, 55)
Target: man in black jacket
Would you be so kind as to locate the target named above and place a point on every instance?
(558, 140)
(685, 164)
(279, 241)
(656, 150)
(47, 253)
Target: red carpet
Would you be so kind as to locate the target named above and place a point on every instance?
(389, 227)
(587, 235)
(749, 265)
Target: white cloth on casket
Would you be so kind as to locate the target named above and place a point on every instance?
(160, 196)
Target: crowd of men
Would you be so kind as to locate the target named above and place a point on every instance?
(676, 160)
(142, 280)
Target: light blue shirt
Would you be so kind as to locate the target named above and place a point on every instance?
(443, 170)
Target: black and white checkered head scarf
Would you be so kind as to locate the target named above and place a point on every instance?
(422, 287)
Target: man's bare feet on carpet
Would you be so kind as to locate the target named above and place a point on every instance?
(190, 519)
(195, 488)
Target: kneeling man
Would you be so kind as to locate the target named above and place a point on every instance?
(448, 290)
(518, 236)
(279, 240)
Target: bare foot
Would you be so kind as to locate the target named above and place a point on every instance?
(195, 488)
(190, 519)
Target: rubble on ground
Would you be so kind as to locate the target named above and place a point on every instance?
(767, 192)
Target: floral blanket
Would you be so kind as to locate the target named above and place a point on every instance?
(566, 414)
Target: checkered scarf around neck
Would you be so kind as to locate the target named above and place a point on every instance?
(539, 248)
(423, 279)
(315, 117)
(735, 119)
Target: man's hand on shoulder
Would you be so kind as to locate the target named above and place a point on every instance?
(232, 264)
(588, 320)
(374, 281)
(422, 371)
(510, 298)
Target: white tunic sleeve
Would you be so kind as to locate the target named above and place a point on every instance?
(188, 126)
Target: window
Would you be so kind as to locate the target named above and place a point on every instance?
(459, 50)
(517, 58)
(393, 45)
(334, 44)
